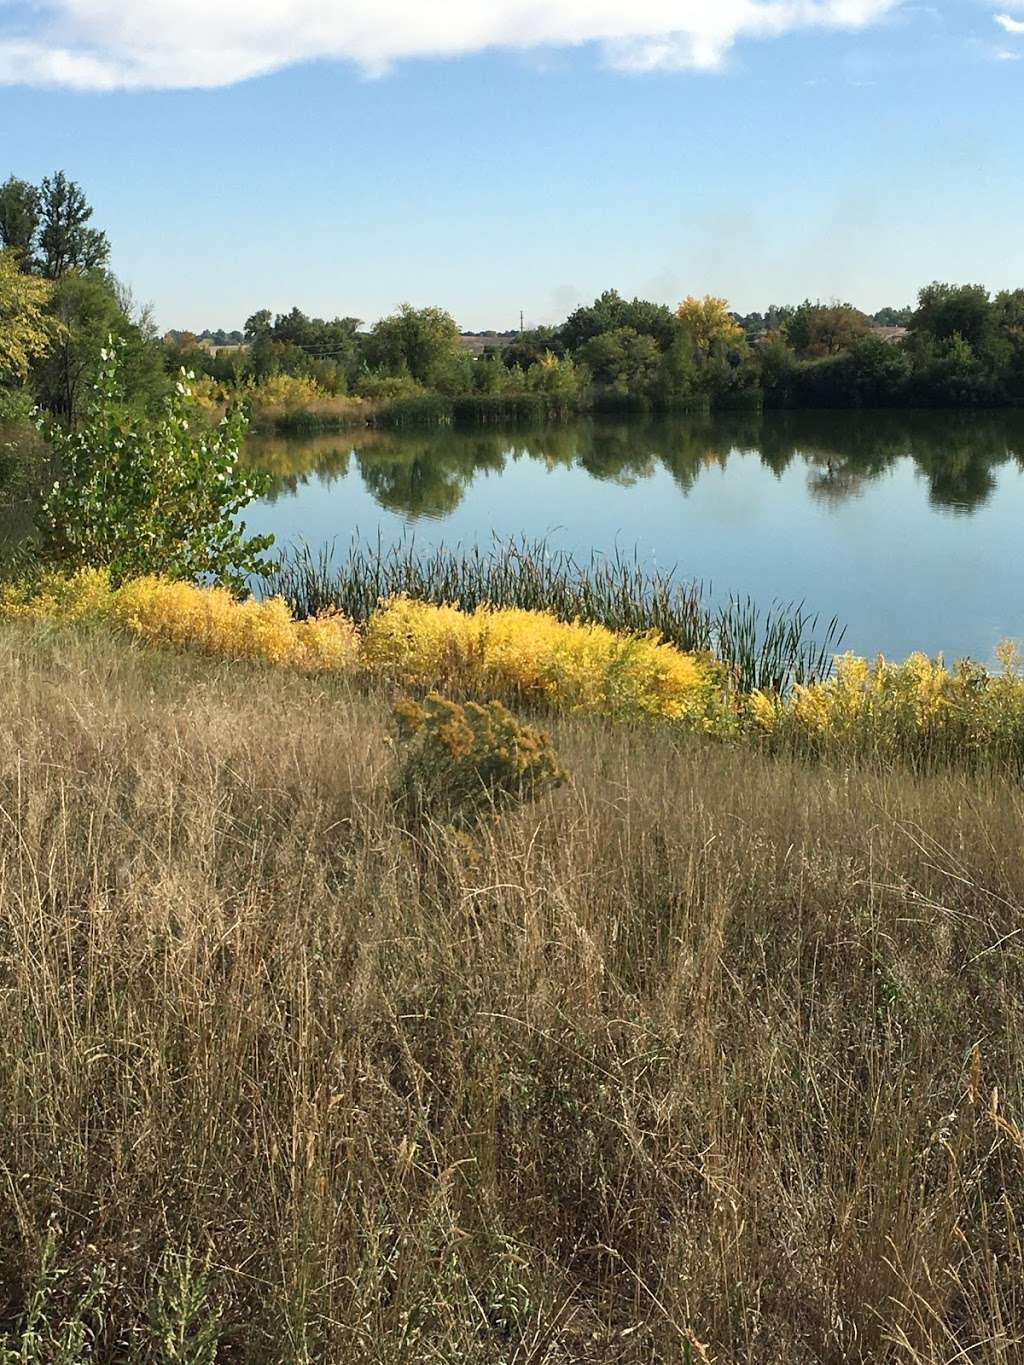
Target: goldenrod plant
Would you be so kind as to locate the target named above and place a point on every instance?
(920, 710)
(169, 612)
(530, 656)
(460, 761)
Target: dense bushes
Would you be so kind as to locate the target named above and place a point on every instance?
(919, 711)
(532, 657)
(162, 611)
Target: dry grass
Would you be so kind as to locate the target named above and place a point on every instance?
(707, 1058)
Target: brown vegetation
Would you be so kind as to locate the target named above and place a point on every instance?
(704, 1057)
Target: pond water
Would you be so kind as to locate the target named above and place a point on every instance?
(908, 527)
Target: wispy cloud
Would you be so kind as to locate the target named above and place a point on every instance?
(1010, 24)
(139, 44)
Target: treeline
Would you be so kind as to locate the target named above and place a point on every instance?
(959, 347)
(60, 303)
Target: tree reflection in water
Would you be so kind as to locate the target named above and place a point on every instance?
(425, 474)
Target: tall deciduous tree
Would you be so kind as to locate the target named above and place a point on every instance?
(947, 310)
(824, 329)
(710, 324)
(87, 312)
(421, 342)
(625, 360)
(609, 312)
(26, 332)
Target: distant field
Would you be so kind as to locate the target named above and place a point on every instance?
(477, 342)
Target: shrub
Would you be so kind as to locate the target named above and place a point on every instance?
(462, 761)
(165, 611)
(531, 656)
(151, 497)
(285, 391)
(918, 710)
(15, 407)
(388, 387)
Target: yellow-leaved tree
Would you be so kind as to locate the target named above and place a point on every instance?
(709, 323)
(25, 330)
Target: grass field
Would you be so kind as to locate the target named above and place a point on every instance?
(707, 1057)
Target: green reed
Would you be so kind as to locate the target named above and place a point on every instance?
(769, 648)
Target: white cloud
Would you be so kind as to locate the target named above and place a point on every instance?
(1011, 25)
(136, 44)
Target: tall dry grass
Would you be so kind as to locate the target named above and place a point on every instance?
(709, 1057)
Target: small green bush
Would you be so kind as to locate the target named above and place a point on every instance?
(15, 407)
(460, 762)
(144, 497)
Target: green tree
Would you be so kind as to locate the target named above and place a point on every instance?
(893, 317)
(19, 217)
(26, 332)
(677, 372)
(777, 365)
(624, 360)
(161, 496)
(945, 310)
(825, 329)
(609, 312)
(421, 342)
(259, 325)
(526, 348)
(65, 241)
(1007, 347)
(86, 311)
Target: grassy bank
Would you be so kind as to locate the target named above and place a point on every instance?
(707, 1056)
(423, 411)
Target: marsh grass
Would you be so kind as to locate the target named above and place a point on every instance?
(768, 648)
(703, 1057)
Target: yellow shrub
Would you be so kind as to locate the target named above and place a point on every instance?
(286, 390)
(212, 620)
(162, 611)
(87, 594)
(918, 708)
(534, 656)
(462, 761)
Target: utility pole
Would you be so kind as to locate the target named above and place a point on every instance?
(521, 327)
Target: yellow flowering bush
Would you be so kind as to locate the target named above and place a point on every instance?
(164, 611)
(461, 761)
(212, 620)
(532, 656)
(915, 709)
(59, 598)
(918, 710)
(285, 391)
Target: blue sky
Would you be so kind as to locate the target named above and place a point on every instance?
(764, 151)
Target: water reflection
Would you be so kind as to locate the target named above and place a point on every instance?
(426, 474)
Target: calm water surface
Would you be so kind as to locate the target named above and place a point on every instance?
(907, 527)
